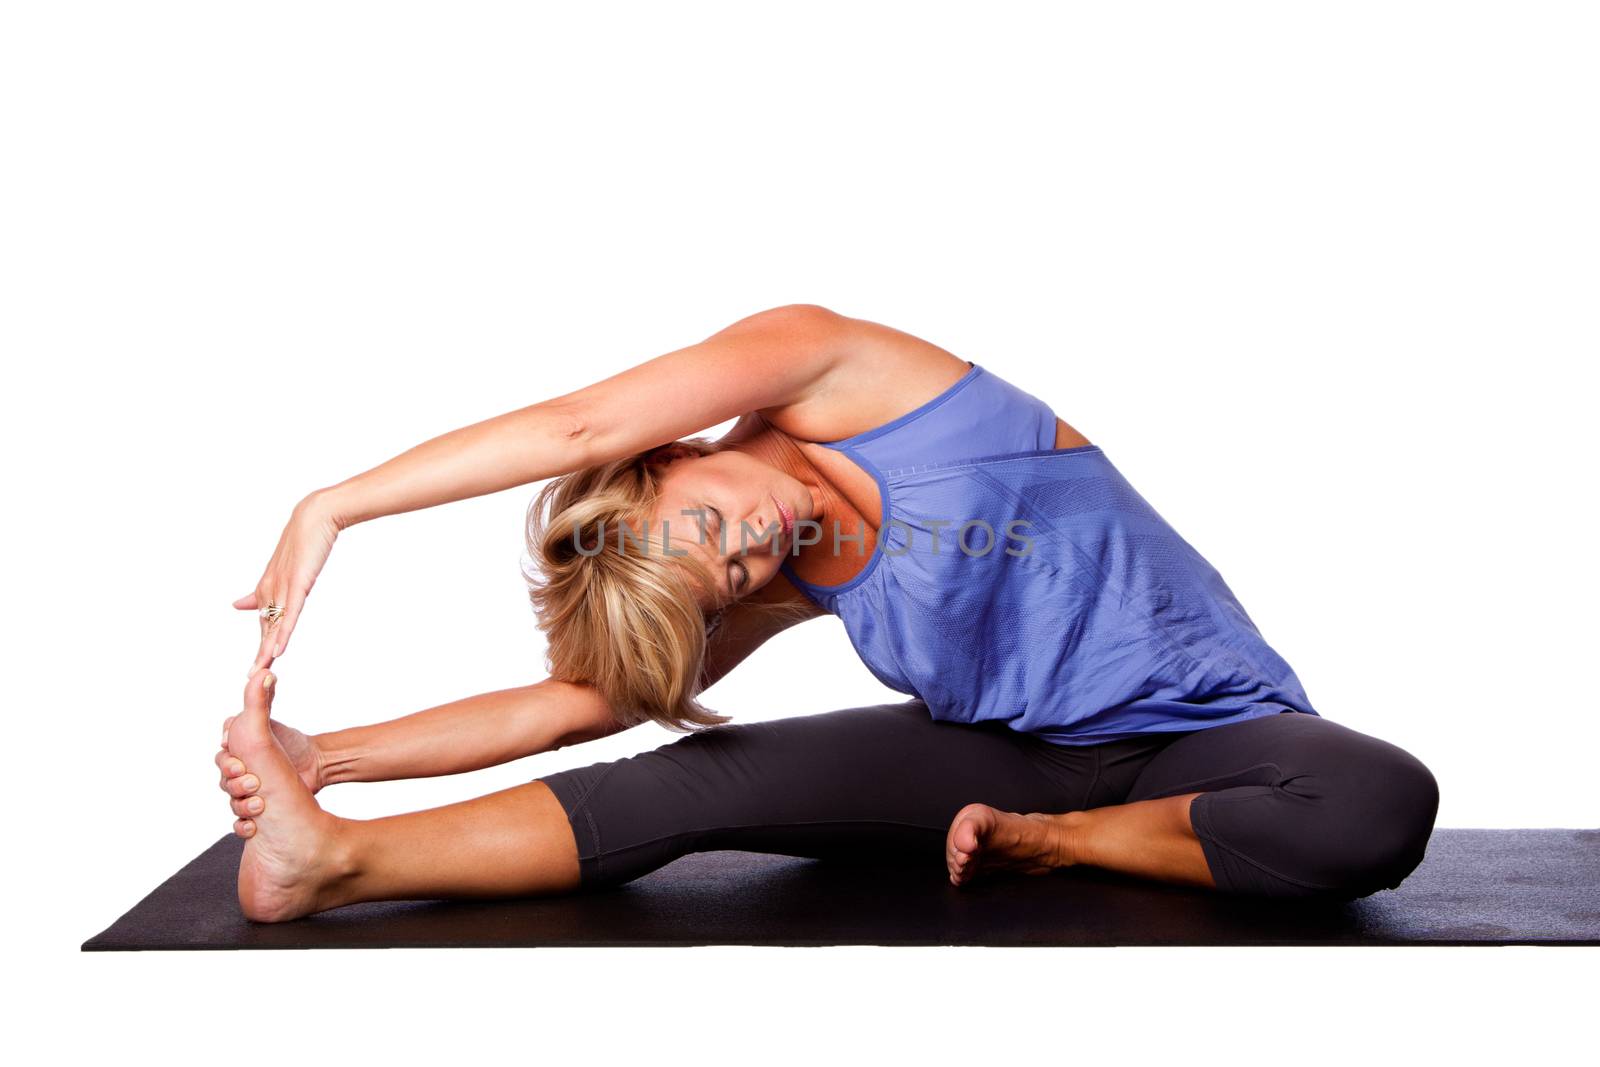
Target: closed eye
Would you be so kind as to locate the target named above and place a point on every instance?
(736, 585)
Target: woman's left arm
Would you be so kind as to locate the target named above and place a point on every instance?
(777, 357)
(773, 358)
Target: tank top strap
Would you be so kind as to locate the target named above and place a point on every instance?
(981, 415)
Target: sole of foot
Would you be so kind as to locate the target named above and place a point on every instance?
(292, 855)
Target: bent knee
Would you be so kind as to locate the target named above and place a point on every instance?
(1375, 822)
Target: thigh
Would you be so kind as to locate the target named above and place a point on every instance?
(856, 782)
(1290, 749)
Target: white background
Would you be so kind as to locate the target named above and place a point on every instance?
(1321, 280)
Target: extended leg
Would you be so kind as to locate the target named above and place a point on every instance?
(516, 842)
(299, 859)
(859, 783)
(862, 782)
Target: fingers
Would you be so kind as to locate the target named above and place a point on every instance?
(273, 630)
(269, 638)
(234, 776)
(242, 786)
(247, 806)
(290, 614)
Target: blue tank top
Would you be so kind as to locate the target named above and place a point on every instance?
(1086, 619)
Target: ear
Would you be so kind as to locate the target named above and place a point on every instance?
(667, 453)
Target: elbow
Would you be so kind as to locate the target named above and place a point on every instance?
(568, 429)
(567, 421)
(802, 312)
(808, 319)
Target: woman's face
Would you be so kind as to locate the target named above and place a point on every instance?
(736, 512)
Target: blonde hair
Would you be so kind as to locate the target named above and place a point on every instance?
(620, 614)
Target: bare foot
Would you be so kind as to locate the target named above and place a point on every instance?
(983, 839)
(301, 750)
(292, 855)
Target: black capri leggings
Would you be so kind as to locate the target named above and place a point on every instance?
(1291, 805)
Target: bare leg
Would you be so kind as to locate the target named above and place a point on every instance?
(1148, 838)
(516, 842)
(299, 859)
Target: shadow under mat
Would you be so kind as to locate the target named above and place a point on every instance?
(1494, 887)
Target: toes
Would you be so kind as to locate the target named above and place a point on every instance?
(258, 694)
(247, 806)
(965, 842)
(965, 838)
(243, 785)
(244, 827)
(957, 862)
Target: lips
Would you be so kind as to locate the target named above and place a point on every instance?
(785, 516)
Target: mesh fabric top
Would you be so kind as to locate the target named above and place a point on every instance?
(1018, 582)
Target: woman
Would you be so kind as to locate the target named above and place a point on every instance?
(1086, 688)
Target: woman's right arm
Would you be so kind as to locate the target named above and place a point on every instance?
(495, 728)
(466, 735)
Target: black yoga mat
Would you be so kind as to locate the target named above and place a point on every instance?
(1494, 887)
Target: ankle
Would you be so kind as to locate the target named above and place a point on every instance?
(339, 863)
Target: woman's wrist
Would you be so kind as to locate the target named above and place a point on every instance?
(325, 506)
(336, 761)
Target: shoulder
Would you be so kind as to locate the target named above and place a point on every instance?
(876, 373)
